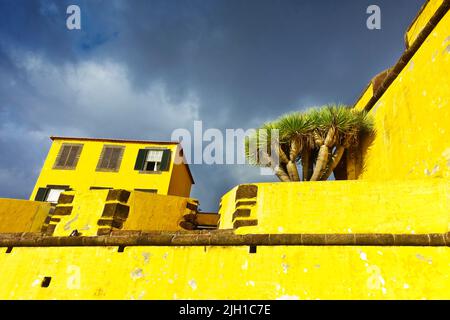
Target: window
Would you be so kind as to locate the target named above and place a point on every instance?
(100, 188)
(50, 193)
(110, 158)
(68, 156)
(152, 160)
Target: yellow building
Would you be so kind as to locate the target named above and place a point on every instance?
(82, 164)
(381, 233)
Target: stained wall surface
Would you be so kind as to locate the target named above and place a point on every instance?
(275, 272)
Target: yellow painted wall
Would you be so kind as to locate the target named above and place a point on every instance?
(22, 215)
(180, 182)
(412, 118)
(147, 211)
(226, 209)
(86, 176)
(87, 210)
(365, 97)
(408, 207)
(155, 212)
(295, 272)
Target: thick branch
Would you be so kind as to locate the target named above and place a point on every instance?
(292, 171)
(295, 149)
(280, 172)
(322, 158)
(282, 157)
(337, 155)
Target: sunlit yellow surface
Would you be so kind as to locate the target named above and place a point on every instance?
(417, 26)
(146, 212)
(22, 215)
(365, 97)
(412, 118)
(325, 272)
(358, 206)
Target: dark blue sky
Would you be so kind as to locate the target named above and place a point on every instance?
(140, 69)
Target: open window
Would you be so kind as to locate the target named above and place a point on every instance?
(153, 160)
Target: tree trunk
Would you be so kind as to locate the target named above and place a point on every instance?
(282, 156)
(281, 174)
(292, 171)
(295, 149)
(334, 161)
(321, 163)
(322, 158)
(318, 141)
(337, 155)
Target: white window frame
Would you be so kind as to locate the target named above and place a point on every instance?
(153, 158)
(53, 192)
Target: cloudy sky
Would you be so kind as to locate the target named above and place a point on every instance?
(140, 69)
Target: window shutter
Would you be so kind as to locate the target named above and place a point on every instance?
(110, 158)
(68, 156)
(104, 158)
(116, 157)
(140, 160)
(165, 162)
(62, 156)
(41, 194)
(72, 159)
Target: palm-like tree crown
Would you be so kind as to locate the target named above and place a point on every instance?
(317, 138)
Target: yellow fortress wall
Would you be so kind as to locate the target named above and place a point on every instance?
(412, 118)
(399, 207)
(156, 212)
(22, 215)
(425, 14)
(404, 190)
(97, 212)
(273, 272)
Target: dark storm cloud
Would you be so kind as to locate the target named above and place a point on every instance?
(139, 69)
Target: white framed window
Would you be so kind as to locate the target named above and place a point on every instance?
(53, 195)
(153, 160)
(50, 193)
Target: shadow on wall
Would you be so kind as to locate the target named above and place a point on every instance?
(352, 163)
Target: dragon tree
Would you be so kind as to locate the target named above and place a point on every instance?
(314, 140)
